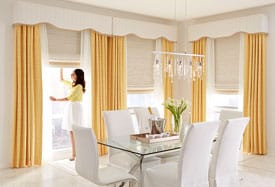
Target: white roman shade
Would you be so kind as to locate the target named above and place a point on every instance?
(64, 45)
(139, 64)
(227, 57)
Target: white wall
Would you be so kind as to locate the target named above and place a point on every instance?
(6, 80)
(182, 88)
(270, 68)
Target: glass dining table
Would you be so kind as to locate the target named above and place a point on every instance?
(140, 149)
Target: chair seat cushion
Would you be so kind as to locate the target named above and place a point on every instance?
(170, 157)
(128, 160)
(111, 175)
(162, 176)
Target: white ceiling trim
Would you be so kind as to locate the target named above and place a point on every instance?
(222, 28)
(176, 9)
(30, 13)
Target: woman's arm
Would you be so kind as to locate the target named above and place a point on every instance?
(58, 99)
(61, 74)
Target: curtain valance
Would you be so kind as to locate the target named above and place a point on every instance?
(142, 29)
(250, 24)
(31, 13)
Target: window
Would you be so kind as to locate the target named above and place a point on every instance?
(139, 64)
(64, 47)
(140, 80)
(226, 93)
(63, 51)
(60, 137)
(141, 100)
(227, 57)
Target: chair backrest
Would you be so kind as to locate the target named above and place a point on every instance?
(230, 114)
(225, 155)
(143, 114)
(195, 154)
(87, 163)
(118, 123)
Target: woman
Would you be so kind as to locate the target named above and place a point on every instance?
(73, 114)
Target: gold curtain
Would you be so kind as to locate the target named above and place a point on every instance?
(99, 44)
(27, 114)
(117, 93)
(168, 88)
(108, 79)
(254, 93)
(199, 85)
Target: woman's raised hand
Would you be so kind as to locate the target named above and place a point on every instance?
(52, 98)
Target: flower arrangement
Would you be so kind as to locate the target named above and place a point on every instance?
(176, 107)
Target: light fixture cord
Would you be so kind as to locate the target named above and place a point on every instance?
(185, 27)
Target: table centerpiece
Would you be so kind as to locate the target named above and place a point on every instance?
(176, 107)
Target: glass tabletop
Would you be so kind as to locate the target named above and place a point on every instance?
(125, 143)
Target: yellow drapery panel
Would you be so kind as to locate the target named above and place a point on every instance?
(254, 93)
(108, 79)
(199, 85)
(168, 88)
(99, 45)
(117, 93)
(27, 114)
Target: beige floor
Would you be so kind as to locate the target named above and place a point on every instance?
(256, 171)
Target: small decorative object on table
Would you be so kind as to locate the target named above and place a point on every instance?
(156, 125)
(154, 138)
(176, 107)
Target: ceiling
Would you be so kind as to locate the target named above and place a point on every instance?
(166, 8)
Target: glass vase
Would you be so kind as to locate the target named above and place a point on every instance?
(177, 124)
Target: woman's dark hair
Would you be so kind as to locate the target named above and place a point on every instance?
(80, 78)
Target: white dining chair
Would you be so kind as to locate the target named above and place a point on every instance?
(119, 123)
(172, 156)
(223, 167)
(87, 162)
(143, 115)
(192, 169)
(224, 116)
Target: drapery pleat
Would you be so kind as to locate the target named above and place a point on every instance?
(117, 93)
(99, 46)
(199, 85)
(27, 139)
(168, 88)
(108, 80)
(254, 93)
